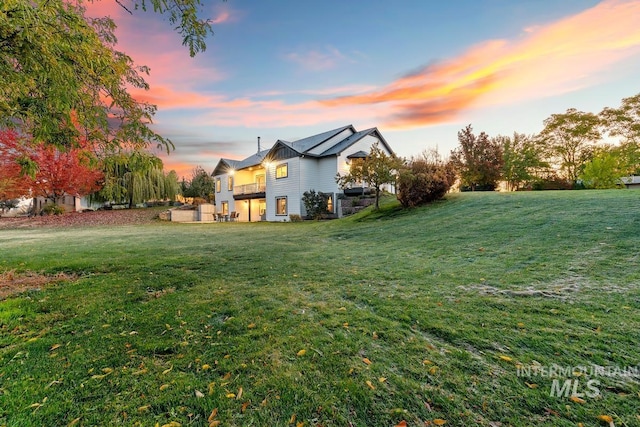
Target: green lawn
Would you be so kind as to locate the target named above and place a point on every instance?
(423, 315)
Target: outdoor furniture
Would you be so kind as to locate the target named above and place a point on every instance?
(234, 216)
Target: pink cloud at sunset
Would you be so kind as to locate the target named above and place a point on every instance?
(548, 60)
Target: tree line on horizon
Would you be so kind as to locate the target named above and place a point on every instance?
(575, 149)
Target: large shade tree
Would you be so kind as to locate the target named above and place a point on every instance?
(72, 172)
(63, 80)
(132, 177)
(522, 158)
(569, 139)
(478, 160)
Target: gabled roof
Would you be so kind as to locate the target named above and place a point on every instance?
(352, 139)
(224, 165)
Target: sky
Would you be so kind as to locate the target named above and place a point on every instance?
(418, 70)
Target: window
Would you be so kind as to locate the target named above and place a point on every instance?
(281, 205)
(262, 206)
(225, 208)
(230, 183)
(218, 185)
(330, 203)
(282, 171)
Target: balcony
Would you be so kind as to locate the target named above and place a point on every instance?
(249, 191)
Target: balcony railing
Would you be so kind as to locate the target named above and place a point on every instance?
(249, 189)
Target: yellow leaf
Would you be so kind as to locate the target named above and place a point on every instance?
(375, 335)
(227, 356)
(245, 405)
(74, 422)
(107, 370)
(300, 424)
(231, 395)
(239, 393)
(251, 325)
(144, 408)
(371, 386)
(214, 414)
(227, 376)
(166, 371)
(55, 346)
(366, 361)
(576, 399)
(214, 423)
(605, 418)
(163, 387)
(433, 370)
(505, 358)
(427, 362)
(345, 324)
(439, 422)
(211, 387)
(206, 367)
(520, 325)
(531, 385)
(292, 419)
(140, 372)
(172, 424)
(382, 379)
(301, 352)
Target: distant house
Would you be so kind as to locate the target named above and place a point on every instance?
(632, 182)
(269, 185)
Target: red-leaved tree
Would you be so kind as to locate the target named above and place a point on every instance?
(58, 173)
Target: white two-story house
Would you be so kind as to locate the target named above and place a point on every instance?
(269, 185)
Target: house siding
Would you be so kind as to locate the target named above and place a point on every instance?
(284, 187)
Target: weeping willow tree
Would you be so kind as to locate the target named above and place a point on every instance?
(136, 177)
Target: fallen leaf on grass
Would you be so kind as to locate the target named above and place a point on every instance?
(231, 395)
(55, 346)
(214, 423)
(366, 361)
(144, 408)
(199, 394)
(531, 385)
(402, 423)
(292, 419)
(606, 419)
(433, 370)
(505, 358)
(166, 371)
(371, 386)
(382, 379)
(172, 424)
(439, 421)
(301, 352)
(163, 387)
(245, 405)
(206, 367)
(74, 422)
(213, 414)
(576, 399)
(239, 395)
(140, 372)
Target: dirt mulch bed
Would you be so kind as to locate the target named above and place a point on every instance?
(13, 283)
(85, 219)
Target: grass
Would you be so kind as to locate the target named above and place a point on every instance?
(420, 315)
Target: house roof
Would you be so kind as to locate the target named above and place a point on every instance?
(224, 165)
(306, 147)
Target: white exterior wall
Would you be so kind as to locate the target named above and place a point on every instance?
(288, 187)
(319, 175)
(224, 195)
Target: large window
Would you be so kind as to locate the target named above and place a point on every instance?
(281, 205)
(218, 185)
(230, 183)
(282, 171)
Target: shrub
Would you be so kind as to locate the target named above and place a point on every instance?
(424, 180)
(314, 203)
(295, 218)
(53, 209)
